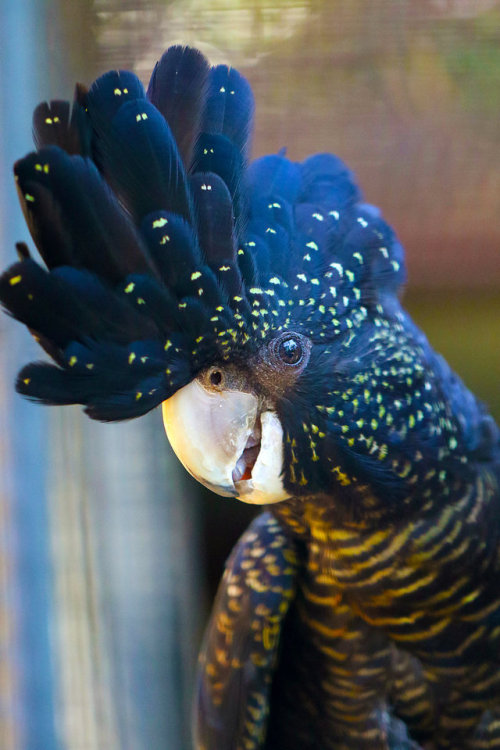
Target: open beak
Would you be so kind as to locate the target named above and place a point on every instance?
(225, 443)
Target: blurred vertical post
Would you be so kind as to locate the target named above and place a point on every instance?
(26, 668)
(99, 589)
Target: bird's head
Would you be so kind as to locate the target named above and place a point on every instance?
(257, 303)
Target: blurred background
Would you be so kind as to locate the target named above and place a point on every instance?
(109, 553)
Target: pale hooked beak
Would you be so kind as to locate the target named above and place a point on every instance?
(224, 442)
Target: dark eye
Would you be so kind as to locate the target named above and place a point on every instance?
(215, 378)
(290, 350)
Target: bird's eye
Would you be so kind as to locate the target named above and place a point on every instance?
(289, 350)
(215, 377)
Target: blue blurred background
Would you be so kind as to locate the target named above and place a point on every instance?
(109, 553)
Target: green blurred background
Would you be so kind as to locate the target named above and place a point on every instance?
(109, 553)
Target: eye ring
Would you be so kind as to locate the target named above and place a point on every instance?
(289, 349)
(215, 378)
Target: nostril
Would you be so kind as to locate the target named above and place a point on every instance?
(216, 378)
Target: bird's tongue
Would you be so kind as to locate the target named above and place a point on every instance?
(245, 464)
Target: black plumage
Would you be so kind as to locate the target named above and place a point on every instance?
(74, 217)
(178, 89)
(368, 596)
(59, 123)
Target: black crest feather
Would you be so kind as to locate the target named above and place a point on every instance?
(178, 89)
